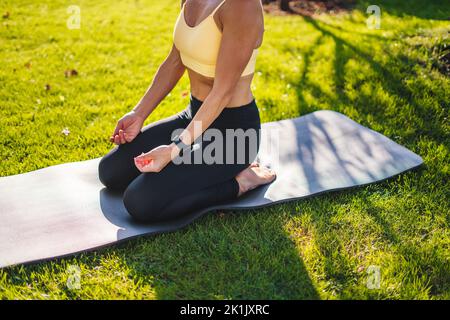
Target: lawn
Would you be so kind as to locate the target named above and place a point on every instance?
(318, 248)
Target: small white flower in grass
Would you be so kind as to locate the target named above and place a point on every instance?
(65, 131)
(62, 98)
(288, 86)
(259, 73)
(38, 101)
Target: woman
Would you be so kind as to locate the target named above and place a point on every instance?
(217, 42)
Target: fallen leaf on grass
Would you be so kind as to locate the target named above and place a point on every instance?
(70, 73)
(65, 131)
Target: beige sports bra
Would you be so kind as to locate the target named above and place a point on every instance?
(199, 45)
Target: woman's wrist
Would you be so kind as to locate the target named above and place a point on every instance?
(141, 111)
(174, 150)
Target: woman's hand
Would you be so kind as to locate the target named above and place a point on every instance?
(156, 159)
(127, 128)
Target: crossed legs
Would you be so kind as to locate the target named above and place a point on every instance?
(178, 189)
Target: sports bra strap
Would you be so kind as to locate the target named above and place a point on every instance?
(217, 8)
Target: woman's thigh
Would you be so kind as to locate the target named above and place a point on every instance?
(117, 169)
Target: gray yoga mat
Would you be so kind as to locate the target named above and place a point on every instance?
(64, 209)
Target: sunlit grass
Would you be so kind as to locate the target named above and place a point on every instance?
(314, 248)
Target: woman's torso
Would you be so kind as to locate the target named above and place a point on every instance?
(201, 85)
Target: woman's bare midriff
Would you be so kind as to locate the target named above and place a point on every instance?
(201, 86)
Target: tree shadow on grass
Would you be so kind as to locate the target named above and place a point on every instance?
(391, 82)
(426, 267)
(226, 256)
(236, 256)
(425, 9)
(214, 256)
(419, 120)
(415, 269)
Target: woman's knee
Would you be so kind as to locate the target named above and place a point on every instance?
(142, 204)
(108, 173)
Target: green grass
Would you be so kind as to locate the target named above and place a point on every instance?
(318, 248)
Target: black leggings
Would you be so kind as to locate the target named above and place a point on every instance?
(180, 189)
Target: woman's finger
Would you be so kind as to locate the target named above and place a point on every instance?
(150, 167)
(122, 140)
(116, 139)
(143, 165)
(118, 127)
(143, 161)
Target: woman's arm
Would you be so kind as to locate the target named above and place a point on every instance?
(242, 23)
(165, 79)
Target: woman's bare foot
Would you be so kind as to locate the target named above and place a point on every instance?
(254, 176)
